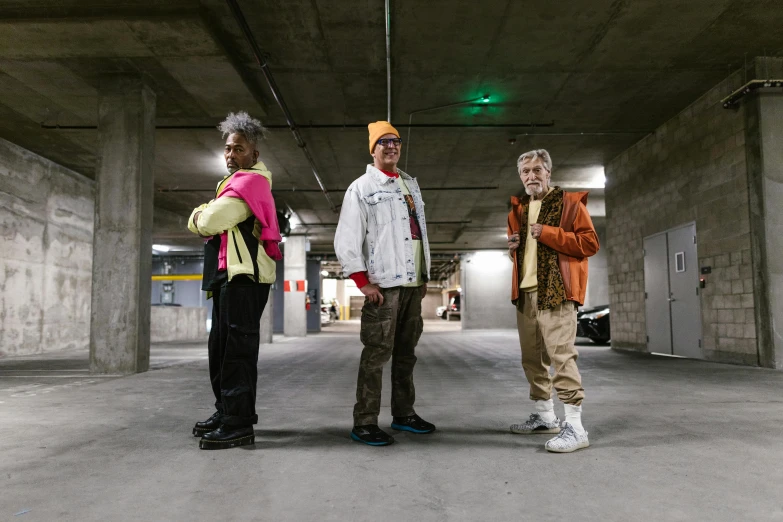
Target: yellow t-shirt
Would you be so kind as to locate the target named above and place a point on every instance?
(418, 250)
(530, 259)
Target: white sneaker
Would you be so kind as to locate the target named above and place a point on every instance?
(535, 424)
(567, 441)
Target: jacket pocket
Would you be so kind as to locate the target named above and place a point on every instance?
(380, 207)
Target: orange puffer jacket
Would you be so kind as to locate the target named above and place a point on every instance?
(574, 241)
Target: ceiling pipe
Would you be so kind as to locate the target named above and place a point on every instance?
(484, 98)
(577, 133)
(388, 62)
(733, 99)
(243, 25)
(344, 126)
(294, 189)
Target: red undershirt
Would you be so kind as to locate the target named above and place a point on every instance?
(362, 278)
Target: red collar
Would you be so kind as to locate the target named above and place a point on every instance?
(390, 174)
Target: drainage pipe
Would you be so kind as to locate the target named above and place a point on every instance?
(243, 25)
(388, 62)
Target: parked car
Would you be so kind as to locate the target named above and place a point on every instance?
(453, 310)
(328, 315)
(593, 323)
(441, 312)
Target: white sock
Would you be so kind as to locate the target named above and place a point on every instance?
(546, 409)
(573, 416)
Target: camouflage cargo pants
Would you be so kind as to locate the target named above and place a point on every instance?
(390, 330)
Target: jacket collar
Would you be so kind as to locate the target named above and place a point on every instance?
(382, 178)
(258, 168)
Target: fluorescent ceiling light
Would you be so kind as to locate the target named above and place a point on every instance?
(596, 179)
(489, 254)
(161, 248)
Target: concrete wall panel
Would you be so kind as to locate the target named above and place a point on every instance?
(486, 291)
(178, 323)
(46, 228)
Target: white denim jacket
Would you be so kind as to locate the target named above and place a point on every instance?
(374, 232)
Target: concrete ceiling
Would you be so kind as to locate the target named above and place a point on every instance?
(595, 75)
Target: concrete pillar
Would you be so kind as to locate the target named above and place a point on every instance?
(597, 292)
(343, 300)
(295, 260)
(314, 290)
(764, 155)
(267, 318)
(122, 243)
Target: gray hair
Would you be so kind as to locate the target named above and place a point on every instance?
(533, 154)
(241, 123)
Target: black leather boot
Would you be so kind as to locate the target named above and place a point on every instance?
(227, 437)
(211, 424)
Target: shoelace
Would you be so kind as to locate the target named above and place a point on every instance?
(566, 432)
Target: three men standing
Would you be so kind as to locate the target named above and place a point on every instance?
(381, 242)
(549, 282)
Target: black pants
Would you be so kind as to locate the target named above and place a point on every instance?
(233, 348)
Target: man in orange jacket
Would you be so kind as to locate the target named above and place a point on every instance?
(549, 282)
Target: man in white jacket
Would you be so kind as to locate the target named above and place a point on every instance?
(381, 242)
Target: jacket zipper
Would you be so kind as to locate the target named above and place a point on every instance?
(236, 247)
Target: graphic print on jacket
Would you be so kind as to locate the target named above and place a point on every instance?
(415, 229)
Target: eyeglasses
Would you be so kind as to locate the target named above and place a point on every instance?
(536, 170)
(388, 142)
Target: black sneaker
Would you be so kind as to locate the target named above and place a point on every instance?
(227, 437)
(372, 435)
(211, 424)
(414, 424)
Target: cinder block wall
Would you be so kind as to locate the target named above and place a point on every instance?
(692, 168)
(46, 231)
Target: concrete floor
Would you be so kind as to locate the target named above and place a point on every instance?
(671, 439)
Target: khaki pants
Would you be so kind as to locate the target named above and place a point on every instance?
(390, 331)
(547, 339)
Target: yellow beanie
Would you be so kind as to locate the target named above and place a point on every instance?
(378, 129)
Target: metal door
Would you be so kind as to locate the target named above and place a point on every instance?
(656, 292)
(684, 292)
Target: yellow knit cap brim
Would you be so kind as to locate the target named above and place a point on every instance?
(378, 129)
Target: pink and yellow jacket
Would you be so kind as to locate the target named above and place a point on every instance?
(245, 217)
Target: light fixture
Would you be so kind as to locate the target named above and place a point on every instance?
(161, 248)
(324, 273)
(489, 254)
(485, 98)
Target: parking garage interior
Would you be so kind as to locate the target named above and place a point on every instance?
(670, 114)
